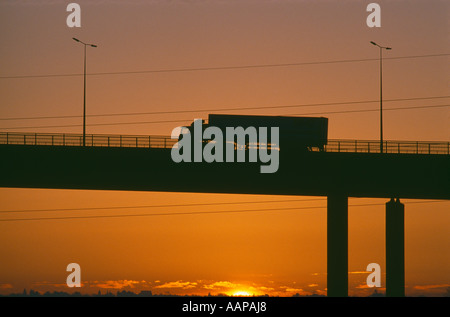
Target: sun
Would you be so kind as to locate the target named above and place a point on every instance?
(242, 293)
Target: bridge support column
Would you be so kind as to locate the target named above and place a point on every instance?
(395, 248)
(337, 246)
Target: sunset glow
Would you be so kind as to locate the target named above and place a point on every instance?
(159, 65)
(241, 293)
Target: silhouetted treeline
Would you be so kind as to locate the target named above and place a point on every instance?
(33, 293)
(148, 293)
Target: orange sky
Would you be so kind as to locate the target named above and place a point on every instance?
(277, 252)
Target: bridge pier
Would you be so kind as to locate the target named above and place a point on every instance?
(395, 248)
(337, 246)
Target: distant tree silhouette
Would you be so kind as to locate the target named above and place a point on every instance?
(376, 294)
(145, 293)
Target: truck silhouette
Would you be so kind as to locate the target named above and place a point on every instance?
(297, 134)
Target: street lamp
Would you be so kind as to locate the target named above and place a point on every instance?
(84, 94)
(381, 92)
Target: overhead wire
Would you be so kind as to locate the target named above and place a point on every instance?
(161, 206)
(192, 213)
(222, 109)
(224, 67)
(190, 119)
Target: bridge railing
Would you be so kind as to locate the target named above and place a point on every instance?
(100, 140)
(152, 141)
(400, 147)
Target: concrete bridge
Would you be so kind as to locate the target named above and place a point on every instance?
(347, 168)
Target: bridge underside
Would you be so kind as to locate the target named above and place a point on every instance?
(312, 173)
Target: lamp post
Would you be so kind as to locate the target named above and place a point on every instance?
(84, 94)
(381, 92)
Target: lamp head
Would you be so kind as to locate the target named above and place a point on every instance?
(75, 39)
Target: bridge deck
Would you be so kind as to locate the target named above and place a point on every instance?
(416, 176)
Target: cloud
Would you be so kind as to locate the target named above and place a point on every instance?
(263, 288)
(320, 292)
(46, 283)
(178, 284)
(297, 290)
(221, 284)
(291, 289)
(365, 286)
(5, 285)
(313, 285)
(426, 287)
(119, 284)
(226, 286)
